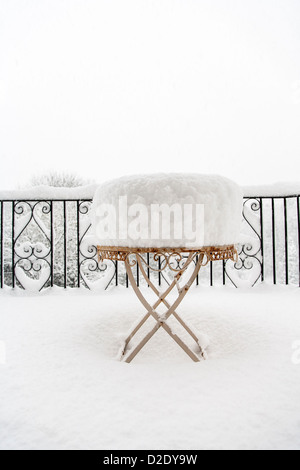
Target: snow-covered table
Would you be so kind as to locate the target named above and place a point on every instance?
(178, 260)
(183, 221)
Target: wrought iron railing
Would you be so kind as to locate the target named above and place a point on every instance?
(45, 243)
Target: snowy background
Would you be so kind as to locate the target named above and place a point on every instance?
(116, 87)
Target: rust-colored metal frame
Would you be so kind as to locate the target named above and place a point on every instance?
(177, 260)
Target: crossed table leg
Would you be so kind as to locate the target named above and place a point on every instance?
(151, 309)
(193, 258)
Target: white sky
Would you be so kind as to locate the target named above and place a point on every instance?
(106, 88)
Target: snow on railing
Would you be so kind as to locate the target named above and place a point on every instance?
(44, 241)
(45, 193)
(279, 189)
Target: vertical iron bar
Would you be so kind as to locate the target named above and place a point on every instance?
(52, 243)
(224, 272)
(286, 243)
(262, 240)
(1, 246)
(137, 275)
(211, 273)
(197, 278)
(273, 241)
(148, 263)
(117, 273)
(159, 273)
(65, 245)
(13, 245)
(78, 245)
(298, 217)
(127, 284)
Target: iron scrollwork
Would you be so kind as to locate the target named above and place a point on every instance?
(89, 265)
(32, 248)
(248, 268)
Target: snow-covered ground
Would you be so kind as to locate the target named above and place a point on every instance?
(61, 386)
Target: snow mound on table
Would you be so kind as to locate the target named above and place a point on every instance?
(221, 198)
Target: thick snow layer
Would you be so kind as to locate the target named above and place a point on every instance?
(62, 387)
(220, 197)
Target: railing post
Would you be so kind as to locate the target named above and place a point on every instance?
(159, 271)
(65, 243)
(262, 239)
(13, 245)
(298, 219)
(1, 247)
(117, 273)
(137, 275)
(273, 242)
(51, 244)
(78, 245)
(148, 263)
(286, 243)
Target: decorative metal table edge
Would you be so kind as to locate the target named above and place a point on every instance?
(211, 253)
